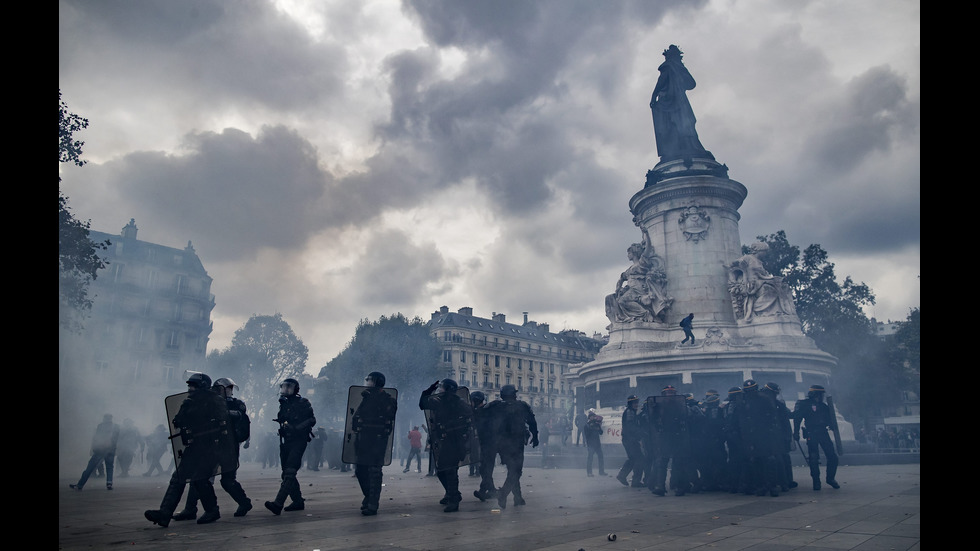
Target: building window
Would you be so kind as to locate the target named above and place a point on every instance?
(496, 361)
(151, 279)
(508, 378)
(486, 359)
(181, 283)
(520, 386)
(520, 363)
(169, 372)
(474, 358)
(178, 259)
(486, 379)
(496, 380)
(462, 377)
(447, 336)
(551, 368)
(530, 365)
(447, 355)
(462, 356)
(541, 367)
(174, 341)
(495, 342)
(508, 362)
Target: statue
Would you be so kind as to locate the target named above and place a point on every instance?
(756, 292)
(641, 290)
(673, 118)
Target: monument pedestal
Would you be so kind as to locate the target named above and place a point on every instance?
(688, 217)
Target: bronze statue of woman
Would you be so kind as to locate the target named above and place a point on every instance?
(673, 118)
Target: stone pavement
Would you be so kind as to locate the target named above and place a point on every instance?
(876, 508)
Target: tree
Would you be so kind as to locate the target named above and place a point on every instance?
(272, 341)
(79, 260)
(262, 353)
(400, 348)
(831, 312)
(868, 380)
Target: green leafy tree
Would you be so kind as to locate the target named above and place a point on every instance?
(78, 256)
(868, 380)
(400, 348)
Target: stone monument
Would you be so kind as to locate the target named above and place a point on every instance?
(688, 259)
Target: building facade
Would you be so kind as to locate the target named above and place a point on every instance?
(150, 318)
(487, 353)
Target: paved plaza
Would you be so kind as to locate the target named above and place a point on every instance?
(876, 508)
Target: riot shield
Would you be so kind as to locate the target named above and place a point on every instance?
(833, 426)
(369, 431)
(462, 428)
(172, 404)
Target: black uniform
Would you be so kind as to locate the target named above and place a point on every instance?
(488, 450)
(711, 454)
(757, 425)
(632, 433)
(203, 422)
(228, 458)
(452, 420)
(373, 422)
(815, 417)
(672, 421)
(296, 421)
(513, 420)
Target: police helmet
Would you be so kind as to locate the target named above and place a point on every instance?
(772, 387)
(199, 381)
(669, 390)
(508, 391)
(224, 382)
(632, 398)
(816, 390)
(750, 385)
(449, 385)
(711, 398)
(478, 396)
(734, 390)
(379, 378)
(292, 381)
(591, 411)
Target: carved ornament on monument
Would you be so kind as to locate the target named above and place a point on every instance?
(694, 223)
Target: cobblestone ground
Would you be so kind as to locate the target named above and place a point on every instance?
(877, 507)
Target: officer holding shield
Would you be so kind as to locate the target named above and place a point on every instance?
(201, 419)
(372, 424)
(452, 422)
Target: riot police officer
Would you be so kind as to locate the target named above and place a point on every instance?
(488, 447)
(296, 421)
(452, 422)
(228, 453)
(711, 454)
(632, 432)
(513, 422)
(203, 421)
(815, 417)
(784, 445)
(373, 422)
(735, 472)
(672, 421)
(757, 427)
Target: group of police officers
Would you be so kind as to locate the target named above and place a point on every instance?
(212, 425)
(741, 445)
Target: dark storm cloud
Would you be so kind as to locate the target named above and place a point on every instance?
(241, 51)
(231, 192)
(874, 110)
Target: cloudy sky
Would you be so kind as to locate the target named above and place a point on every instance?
(339, 160)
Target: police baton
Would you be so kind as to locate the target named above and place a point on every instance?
(803, 453)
